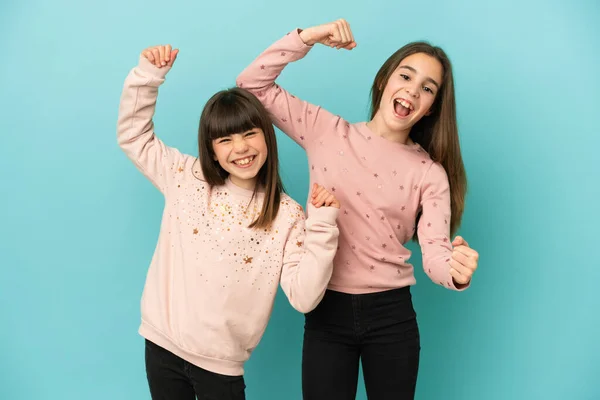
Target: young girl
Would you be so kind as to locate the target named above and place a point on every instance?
(229, 236)
(398, 176)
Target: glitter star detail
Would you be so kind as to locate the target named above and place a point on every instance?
(299, 120)
(376, 175)
(384, 245)
(248, 260)
(309, 112)
(283, 120)
(301, 137)
(394, 172)
(180, 169)
(262, 67)
(403, 208)
(358, 193)
(299, 244)
(195, 231)
(435, 204)
(283, 54)
(429, 225)
(333, 189)
(401, 187)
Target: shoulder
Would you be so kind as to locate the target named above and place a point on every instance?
(290, 208)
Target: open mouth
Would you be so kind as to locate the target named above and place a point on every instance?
(403, 108)
(244, 162)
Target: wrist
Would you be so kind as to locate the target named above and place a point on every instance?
(307, 37)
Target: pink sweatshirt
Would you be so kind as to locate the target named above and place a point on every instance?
(380, 184)
(212, 281)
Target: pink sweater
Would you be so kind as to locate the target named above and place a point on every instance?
(380, 184)
(212, 281)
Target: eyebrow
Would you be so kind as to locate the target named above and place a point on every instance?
(408, 67)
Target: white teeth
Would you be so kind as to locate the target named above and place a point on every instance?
(244, 161)
(405, 104)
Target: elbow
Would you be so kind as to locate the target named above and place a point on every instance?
(305, 307)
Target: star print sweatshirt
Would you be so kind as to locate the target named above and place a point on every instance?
(212, 281)
(381, 185)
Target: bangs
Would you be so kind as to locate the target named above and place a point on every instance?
(231, 114)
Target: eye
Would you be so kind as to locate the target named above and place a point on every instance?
(224, 140)
(405, 77)
(427, 89)
(252, 133)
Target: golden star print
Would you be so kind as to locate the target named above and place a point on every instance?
(248, 260)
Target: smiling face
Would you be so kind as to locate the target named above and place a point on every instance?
(409, 93)
(242, 155)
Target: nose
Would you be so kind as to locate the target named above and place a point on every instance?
(412, 90)
(240, 145)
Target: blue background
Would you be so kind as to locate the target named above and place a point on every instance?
(79, 223)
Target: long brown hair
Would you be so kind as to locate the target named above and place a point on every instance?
(234, 111)
(437, 133)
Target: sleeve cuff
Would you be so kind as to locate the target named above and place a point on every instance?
(297, 41)
(327, 215)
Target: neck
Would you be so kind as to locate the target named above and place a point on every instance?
(378, 126)
(248, 184)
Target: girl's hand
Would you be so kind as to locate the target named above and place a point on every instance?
(161, 56)
(464, 261)
(335, 34)
(320, 196)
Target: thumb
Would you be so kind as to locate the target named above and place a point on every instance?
(459, 241)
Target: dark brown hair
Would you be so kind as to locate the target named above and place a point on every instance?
(437, 133)
(234, 111)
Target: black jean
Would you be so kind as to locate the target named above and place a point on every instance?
(170, 377)
(379, 329)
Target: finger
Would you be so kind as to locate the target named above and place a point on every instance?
(320, 199)
(460, 268)
(315, 189)
(346, 31)
(148, 55)
(329, 200)
(336, 35)
(173, 57)
(343, 36)
(350, 33)
(458, 277)
(167, 53)
(461, 259)
(161, 52)
(459, 240)
(467, 251)
(156, 55)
